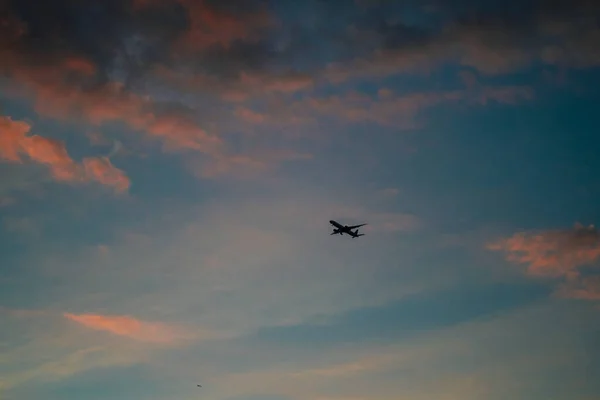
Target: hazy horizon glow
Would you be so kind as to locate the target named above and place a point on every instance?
(169, 168)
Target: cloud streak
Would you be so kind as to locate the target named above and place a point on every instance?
(130, 327)
(15, 143)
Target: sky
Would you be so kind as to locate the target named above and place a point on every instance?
(168, 169)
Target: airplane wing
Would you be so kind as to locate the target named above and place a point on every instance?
(356, 226)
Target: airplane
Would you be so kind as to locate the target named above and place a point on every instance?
(341, 229)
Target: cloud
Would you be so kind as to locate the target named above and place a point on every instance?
(557, 254)
(130, 327)
(248, 263)
(474, 360)
(52, 347)
(241, 250)
(70, 74)
(102, 170)
(211, 23)
(52, 153)
(552, 253)
(216, 273)
(48, 351)
(387, 108)
(587, 288)
(493, 41)
(170, 69)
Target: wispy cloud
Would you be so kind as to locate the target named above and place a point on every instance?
(54, 348)
(51, 351)
(14, 144)
(102, 170)
(130, 327)
(387, 108)
(237, 251)
(469, 361)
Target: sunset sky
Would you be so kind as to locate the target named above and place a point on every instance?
(168, 169)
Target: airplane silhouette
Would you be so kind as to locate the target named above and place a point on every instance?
(341, 229)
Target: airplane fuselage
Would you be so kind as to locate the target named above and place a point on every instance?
(340, 229)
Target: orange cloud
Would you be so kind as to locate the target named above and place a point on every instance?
(558, 254)
(102, 170)
(552, 253)
(11, 134)
(50, 152)
(55, 98)
(130, 327)
(174, 127)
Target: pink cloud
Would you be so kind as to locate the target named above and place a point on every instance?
(57, 97)
(51, 153)
(175, 128)
(14, 145)
(552, 253)
(101, 170)
(557, 254)
(130, 327)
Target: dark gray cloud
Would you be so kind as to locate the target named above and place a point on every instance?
(126, 37)
(223, 38)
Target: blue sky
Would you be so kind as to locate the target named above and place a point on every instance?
(169, 168)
